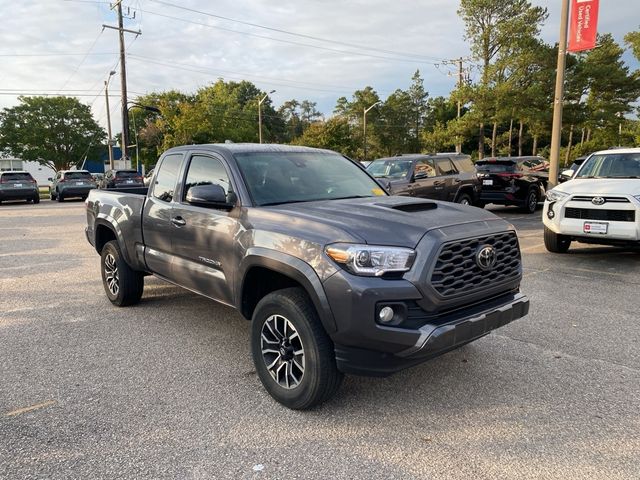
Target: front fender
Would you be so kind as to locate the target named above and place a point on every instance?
(294, 268)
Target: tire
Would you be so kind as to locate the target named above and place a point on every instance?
(36, 199)
(556, 243)
(531, 202)
(481, 204)
(52, 195)
(59, 197)
(121, 283)
(303, 342)
(464, 199)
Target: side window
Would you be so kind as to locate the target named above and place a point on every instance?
(206, 171)
(424, 169)
(445, 167)
(167, 177)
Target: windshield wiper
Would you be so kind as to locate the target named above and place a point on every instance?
(352, 196)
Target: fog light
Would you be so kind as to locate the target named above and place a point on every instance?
(550, 213)
(386, 314)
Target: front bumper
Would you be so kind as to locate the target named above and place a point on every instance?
(574, 227)
(434, 339)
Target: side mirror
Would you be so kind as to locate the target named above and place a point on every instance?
(50, 179)
(212, 195)
(566, 175)
(420, 175)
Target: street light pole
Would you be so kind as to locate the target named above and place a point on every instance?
(260, 113)
(106, 97)
(135, 130)
(364, 128)
(556, 130)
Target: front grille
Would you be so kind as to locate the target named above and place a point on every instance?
(457, 273)
(600, 214)
(579, 198)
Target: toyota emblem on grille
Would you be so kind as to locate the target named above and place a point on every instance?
(598, 201)
(486, 257)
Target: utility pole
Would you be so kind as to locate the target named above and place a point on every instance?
(556, 130)
(461, 74)
(109, 138)
(123, 77)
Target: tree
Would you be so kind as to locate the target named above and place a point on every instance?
(55, 131)
(334, 134)
(633, 40)
(493, 26)
(419, 108)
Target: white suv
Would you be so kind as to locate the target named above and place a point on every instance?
(601, 204)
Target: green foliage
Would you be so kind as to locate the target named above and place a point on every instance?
(334, 134)
(633, 40)
(55, 131)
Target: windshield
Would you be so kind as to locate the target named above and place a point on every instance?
(390, 168)
(273, 178)
(611, 165)
(77, 176)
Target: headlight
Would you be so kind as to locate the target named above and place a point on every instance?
(371, 260)
(555, 195)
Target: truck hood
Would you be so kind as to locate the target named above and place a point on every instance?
(396, 221)
(601, 186)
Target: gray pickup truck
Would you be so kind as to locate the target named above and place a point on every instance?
(335, 275)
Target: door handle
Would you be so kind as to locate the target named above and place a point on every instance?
(178, 221)
(438, 184)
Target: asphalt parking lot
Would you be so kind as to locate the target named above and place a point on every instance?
(167, 389)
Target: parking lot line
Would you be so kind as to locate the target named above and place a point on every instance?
(31, 408)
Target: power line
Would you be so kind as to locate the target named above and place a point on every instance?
(55, 54)
(311, 37)
(289, 42)
(339, 88)
(208, 71)
(82, 61)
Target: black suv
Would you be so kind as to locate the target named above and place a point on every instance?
(519, 181)
(121, 178)
(452, 178)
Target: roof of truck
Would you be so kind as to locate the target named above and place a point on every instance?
(248, 148)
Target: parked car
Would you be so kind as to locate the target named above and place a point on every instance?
(148, 176)
(600, 205)
(16, 185)
(519, 181)
(123, 178)
(448, 177)
(71, 183)
(335, 275)
(567, 174)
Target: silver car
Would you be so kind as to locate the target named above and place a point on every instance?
(18, 186)
(71, 183)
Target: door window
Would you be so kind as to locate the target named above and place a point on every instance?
(424, 169)
(205, 170)
(167, 177)
(445, 167)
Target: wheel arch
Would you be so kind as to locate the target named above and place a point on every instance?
(263, 271)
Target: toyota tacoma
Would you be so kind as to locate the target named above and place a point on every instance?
(335, 275)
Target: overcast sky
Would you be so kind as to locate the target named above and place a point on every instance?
(358, 43)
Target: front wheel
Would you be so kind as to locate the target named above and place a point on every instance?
(36, 199)
(555, 242)
(59, 197)
(122, 284)
(292, 353)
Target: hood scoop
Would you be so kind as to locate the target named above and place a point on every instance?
(411, 207)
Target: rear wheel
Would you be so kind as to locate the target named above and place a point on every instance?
(464, 199)
(292, 353)
(531, 202)
(122, 284)
(59, 197)
(555, 242)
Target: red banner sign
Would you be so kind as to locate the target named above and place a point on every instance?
(584, 25)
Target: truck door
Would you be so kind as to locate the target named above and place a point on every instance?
(157, 216)
(203, 244)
